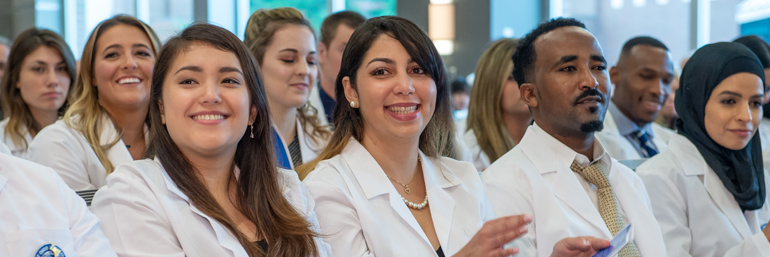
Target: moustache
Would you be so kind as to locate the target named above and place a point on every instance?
(589, 92)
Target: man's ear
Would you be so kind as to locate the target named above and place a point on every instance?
(529, 93)
(614, 75)
(350, 93)
(322, 52)
(162, 113)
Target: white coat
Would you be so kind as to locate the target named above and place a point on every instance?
(144, 213)
(66, 151)
(4, 149)
(16, 150)
(363, 214)
(620, 148)
(477, 156)
(314, 99)
(310, 146)
(529, 180)
(697, 215)
(37, 208)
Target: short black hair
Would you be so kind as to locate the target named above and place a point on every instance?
(642, 40)
(758, 46)
(524, 56)
(459, 85)
(332, 22)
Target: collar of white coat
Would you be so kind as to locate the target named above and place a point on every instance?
(616, 121)
(686, 152)
(544, 148)
(373, 180)
(224, 236)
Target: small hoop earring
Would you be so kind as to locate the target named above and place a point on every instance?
(352, 104)
(252, 131)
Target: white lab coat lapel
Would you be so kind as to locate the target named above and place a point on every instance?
(563, 182)
(719, 194)
(310, 148)
(225, 238)
(442, 205)
(374, 183)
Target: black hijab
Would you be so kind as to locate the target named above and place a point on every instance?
(741, 171)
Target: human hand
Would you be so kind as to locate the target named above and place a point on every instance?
(583, 246)
(489, 240)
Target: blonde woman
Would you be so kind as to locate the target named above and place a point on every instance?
(284, 44)
(107, 122)
(497, 118)
(34, 94)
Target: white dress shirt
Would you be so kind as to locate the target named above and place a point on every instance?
(620, 144)
(37, 208)
(66, 150)
(535, 178)
(18, 150)
(144, 213)
(697, 215)
(363, 214)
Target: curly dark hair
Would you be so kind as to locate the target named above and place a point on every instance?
(524, 56)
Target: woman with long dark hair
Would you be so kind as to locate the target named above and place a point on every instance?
(213, 188)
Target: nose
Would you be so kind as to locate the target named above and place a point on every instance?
(303, 68)
(52, 80)
(211, 94)
(129, 62)
(744, 113)
(404, 85)
(588, 80)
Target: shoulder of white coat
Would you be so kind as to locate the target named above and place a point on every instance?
(662, 165)
(464, 170)
(332, 171)
(57, 132)
(145, 171)
(514, 163)
(16, 170)
(293, 190)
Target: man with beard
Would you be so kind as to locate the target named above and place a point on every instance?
(559, 173)
(642, 80)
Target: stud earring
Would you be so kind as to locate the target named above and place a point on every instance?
(252, 131)
(352, 104)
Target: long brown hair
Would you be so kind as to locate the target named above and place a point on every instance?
(19, 116)
(85, 101)
(437, 138)
(485, 116)
(260, 29)
(259, 197)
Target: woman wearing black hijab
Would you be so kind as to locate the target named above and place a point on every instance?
(708, 189)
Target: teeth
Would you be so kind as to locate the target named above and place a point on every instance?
(209, 117)
(128, 80)
(402, 109)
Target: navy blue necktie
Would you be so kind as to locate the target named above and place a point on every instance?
(648, 150)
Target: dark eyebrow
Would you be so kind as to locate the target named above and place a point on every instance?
(190, 68)
(229, 69)
(566, 59)
(289, 50)
(730, 93)
(385, 60)
(119, 46)
(599, 58)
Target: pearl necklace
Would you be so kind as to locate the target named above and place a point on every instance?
(416, 206)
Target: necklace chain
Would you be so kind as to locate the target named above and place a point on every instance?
(407, 190)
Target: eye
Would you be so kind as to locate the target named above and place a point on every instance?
(110, 55)
(287, 60)
(38, 69)
(728, 101)
(568, 69)
(380, 72)
(231, 81)
(143, 53)
(756, 103)
(418, 70)
(600, 67)
(188, 82)
(311, 62)
(62, 68)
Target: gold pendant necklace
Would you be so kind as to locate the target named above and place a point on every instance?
(406, 186)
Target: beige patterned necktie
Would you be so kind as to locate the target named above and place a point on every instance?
(608, 206)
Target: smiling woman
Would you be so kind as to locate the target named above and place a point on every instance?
(214, 166)
(34, 94)
(107, 122)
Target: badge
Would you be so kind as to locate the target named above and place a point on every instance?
(50, 250)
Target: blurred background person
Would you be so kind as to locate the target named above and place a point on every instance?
(642, 79)
(461, 92)
(335, 33)
(34, 93)
(667, 115)
(5, 49)
(106, 124)
(213, 188)
(283, 42)
(760, 48)
(497, 118)
(709, 189)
